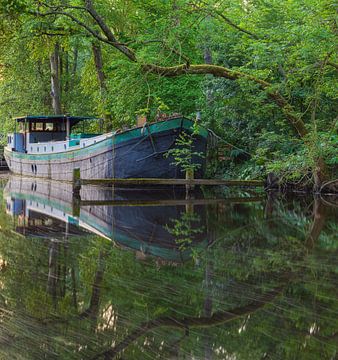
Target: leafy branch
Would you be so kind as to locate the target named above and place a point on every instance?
(184, 154)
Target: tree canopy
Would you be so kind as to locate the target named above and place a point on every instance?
(263, 74)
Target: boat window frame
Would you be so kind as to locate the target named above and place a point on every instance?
(47, 125)
(34, 126)
(57, 126)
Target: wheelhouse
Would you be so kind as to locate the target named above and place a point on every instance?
(49, 134)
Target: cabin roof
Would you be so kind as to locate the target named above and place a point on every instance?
(54, 118)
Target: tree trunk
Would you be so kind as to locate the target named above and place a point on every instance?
(319, 216)
(53, 278)
(209, 93)
(92, 311)
(207, 340)
(66, 73)
(74, 67)
(207, 54)
(176, 17)
(55, 80)
(99, 66)
(319, 174)
(101, 77)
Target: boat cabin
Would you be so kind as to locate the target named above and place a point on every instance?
(50, 134)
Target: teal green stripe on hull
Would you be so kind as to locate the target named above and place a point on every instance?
(43, 201)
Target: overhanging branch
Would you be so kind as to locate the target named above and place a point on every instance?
(331, 63)
(109, 37)
(108, 33)
(220, 71)
(74, 19)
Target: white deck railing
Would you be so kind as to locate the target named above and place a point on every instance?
(52, 147)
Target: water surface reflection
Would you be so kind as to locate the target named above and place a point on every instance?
(245, 276)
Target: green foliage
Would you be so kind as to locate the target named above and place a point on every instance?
(183, 153)
(294, 159)
(185, 228)
(12, 7)
(291, 45)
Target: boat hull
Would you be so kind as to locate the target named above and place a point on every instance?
(141, 228)
(137, 153)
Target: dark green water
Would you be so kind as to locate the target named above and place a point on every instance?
(246, 276)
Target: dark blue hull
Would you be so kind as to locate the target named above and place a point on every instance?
(145, 157)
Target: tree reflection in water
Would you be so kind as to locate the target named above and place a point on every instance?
(264, 287)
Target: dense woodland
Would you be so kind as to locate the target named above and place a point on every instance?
(262, 73)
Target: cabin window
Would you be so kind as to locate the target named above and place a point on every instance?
(45, 149)
(32, 169)
(52, 148)
(60, 127)
(49, 127)
(37, 126)
(65, 146)
(37, 149)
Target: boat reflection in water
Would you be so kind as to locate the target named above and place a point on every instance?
(151, 222)
(266, 287)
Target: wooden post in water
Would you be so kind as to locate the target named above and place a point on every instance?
(76, 192)
(76, 181)
(189, 206)
(189, 175)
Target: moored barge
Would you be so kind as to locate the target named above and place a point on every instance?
(52, 147)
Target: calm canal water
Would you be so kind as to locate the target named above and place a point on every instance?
(228, 274)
